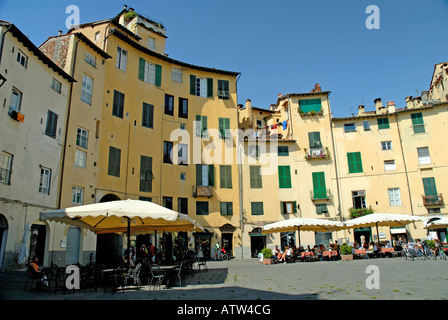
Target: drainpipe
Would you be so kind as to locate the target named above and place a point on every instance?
(240, 175)
(3, 41)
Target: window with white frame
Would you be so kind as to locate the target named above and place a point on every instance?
(44, 182)
(16, 100)
(386, 145)
(176, 74)
(56, 85)
(22, 59)
(150, 73)
(182, 154)
(80, 158)
(5, 168)
(389, 165)
(86, 89)
(82, 137)
(77, 195)
(122, 57)
(151, 43)
(97, 36)
(394, 196)
(423, 155)
(90, 59)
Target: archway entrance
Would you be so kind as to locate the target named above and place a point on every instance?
(3, 237)
(227, 237)
(257, 242)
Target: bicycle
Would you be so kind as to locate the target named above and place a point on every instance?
(224, 255)
(429, 253)
(406, 253)
(441, 254)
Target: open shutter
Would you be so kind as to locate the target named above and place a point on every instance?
(158, 75)
(141, 69)
(209, 87)
(198, 174)
(211, 175)
(429, 185)
(319, 188)
(193, 85)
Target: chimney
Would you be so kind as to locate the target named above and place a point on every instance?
(390, 107)
(60, 33)
(361, 110)
(425, 95)
(125, 7)
(409, 103)
(417, 101)
(379, 106)
(317, 88)
(250, 113)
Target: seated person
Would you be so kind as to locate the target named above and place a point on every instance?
(282, 256)
(275, 252)
(36, 272)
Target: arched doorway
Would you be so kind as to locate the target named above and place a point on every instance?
(227, 237)
(109, 246)
(3, 237)
(257, 242)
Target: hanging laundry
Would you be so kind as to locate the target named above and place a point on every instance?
(274, 126)
(285, 124)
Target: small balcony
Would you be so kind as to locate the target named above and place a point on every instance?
(202, 191)
(317, 153)
(433, 200)
(324, 194)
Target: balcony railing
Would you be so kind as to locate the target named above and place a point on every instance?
(433, 200)
(321, 194)
(202, 191)
(317, 153)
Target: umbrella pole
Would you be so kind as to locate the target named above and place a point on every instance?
(298, 231)
(377, 233)
(129, 242)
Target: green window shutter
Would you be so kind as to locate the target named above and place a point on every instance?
(383, 123)
(310, 105)
(198, 174)
(225, 176)
(114, 162)
(354, 162)
(211, 175)
(203, 126)
(198, 125)
(145, 174)
(314, 139)
(319, 188)
(141, 69)
(224, 127)
(294, 207)
(158, 75)
(256, 208)
(417, 122)
(209, 87)
(283, 151)
(429, 185)
(255, 177)
(284, 177)
(192, 84)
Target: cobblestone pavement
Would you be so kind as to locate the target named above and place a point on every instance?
(239, 280)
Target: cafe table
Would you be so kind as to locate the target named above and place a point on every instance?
(307, 255)
(329, 254)
(359, 252)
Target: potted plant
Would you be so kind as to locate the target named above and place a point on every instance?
(267, 256)
(346, 252)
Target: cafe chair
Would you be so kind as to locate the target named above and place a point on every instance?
(134, 275)
(157, 274)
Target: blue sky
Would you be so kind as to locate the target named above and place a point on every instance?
(283, 46)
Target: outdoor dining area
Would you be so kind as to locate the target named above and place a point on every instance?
(126, 217)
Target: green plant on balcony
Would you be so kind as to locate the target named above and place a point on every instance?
(356, 213)
(128, 16)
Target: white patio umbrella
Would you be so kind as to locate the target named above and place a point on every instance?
(122, 216)
(302, 224)
(437, 224)
(382, 220)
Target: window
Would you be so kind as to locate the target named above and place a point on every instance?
(16, 100)
(253, 150)
(389, 165)
(394, 196)
(310, 105)
(56, 85)
(5, 168)
(283, 151)
(148, 115)
(205, 175)
(22, 59)
(383, 123)
(86, 89)
(354, 162)
(118, 104)
(182, 205)
(80, 158)
(167, 152)
(359, 199)
(423, 155)
(114, 162)
(429, 186)
(146, 175)
(183, 176)
(417, 122)
(150, 73)
(321, 208)
(169, 104)
(255, 177)
(256, 208)
(122, 57)
(151, 43)
(44, 183)
(201, 87)
(182, 154)
(52, 124)
(202, 208)
(77, 195)
(224, 128)
(226, 208)
(225, 176)
(223, 90)
(349, 127)
(284, 177)
(201, 126)
(97, 36)
(288, 207)
(314, 139)
(366, 125)
(183, 108)
(176, 74)
(168, 202)
(82, 138)
(386, 145)
(90, 59)
(319, 188)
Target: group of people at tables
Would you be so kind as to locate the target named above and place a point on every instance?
(291, 252)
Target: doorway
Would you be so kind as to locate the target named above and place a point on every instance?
(227, 242)
(363, 232)
(3, 237)
(37, 243)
